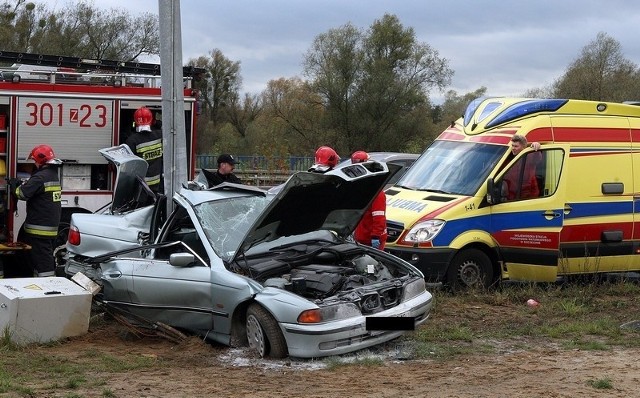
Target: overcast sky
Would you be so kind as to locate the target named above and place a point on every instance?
(508, 46)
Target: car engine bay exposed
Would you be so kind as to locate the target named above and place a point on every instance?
(345, 272)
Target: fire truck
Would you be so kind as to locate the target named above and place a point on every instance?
(76, 106)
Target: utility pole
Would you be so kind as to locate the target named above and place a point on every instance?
(173, 126)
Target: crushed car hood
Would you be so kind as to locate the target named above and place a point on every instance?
(308, 202)
(129, 183)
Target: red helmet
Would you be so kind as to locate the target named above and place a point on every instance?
(359, 157)
(326, 159)
(43, 154)
(143, 116)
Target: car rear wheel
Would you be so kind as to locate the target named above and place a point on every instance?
(264, 334)
(470, 268)
(60, 248)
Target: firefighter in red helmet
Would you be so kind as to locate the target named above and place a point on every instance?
(372, 229)
(146, 142)
(326, 159)
(43, 194)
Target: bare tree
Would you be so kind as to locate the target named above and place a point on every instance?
(600, 73)
(298, 111)
(371, 82)
(80, 30)
(241, 115)
(221, 84)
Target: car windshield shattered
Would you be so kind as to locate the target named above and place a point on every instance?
(457, 168)
(226, 222)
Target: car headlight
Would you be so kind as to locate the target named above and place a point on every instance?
(413, 289)
(424, 231)
(329, 313)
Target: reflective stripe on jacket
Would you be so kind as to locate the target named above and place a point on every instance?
(148, 145)
(43, 194)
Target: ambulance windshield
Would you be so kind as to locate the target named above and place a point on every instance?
(457, 168)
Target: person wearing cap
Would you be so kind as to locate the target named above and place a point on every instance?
(226, 164)
(43, 194)
(372, 229)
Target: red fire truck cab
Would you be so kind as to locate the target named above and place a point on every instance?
(76, 106)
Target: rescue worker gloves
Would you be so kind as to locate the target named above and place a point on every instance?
(14, 183)
(375, 243)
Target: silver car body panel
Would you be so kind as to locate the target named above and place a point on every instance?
(130, 169)
(347, 335)
(123, 231)
(303, 227)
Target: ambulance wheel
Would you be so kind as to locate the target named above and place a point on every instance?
(470, 268)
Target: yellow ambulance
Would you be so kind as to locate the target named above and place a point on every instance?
(470, 213)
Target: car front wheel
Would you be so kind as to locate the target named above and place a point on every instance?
(264, 334)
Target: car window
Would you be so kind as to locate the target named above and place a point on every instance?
(180, 228)
(226, 222)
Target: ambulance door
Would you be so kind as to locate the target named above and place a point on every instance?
(597, 235)
(635, 137)
(528, 220)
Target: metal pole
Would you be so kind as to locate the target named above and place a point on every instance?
(173, 125)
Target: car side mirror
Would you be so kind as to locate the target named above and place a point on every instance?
(494, 195)
(182, 259)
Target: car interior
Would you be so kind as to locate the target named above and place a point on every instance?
(181, 229)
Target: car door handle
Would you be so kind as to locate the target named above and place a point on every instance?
(567, 209)
(114, 275)
(550, 214)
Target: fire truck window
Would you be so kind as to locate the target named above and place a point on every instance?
(100, 177)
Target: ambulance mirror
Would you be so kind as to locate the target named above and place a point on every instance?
(493, 192)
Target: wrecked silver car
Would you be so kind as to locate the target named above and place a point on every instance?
(237, 267)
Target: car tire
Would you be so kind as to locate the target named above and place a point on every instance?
(471, 268)
(60, 247)
(264, 334)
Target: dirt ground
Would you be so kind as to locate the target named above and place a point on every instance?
(196, 369)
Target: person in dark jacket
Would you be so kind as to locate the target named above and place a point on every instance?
(146, 142)
(43, 194)
(226, 164)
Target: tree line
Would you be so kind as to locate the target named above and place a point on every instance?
(362, 88)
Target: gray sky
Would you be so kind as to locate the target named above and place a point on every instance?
(508, 46)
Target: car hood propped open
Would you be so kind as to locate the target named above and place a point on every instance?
(308, 202)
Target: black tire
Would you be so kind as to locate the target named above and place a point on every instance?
(60, 247)
(264, 334)
(63, 233)
(470, 268)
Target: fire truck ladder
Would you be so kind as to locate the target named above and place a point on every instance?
(89, 64)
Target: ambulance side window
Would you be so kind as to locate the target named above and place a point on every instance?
(534, 175)
(548, 171)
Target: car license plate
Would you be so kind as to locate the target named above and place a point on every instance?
(390, 323)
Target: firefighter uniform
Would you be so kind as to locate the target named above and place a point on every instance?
(148, 145)
(40, 229)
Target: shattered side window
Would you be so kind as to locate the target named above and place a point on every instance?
(226, 222)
